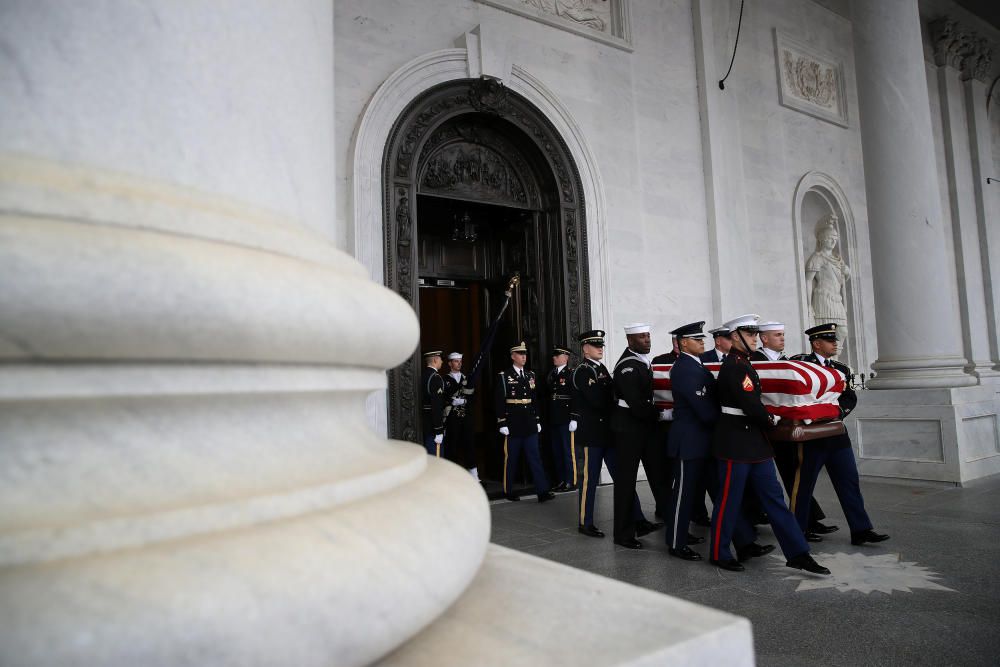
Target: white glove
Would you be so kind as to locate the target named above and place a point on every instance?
(504, 430)
(667, 415)
(775, 419)
(439, 438)
(458, 401)
(572, 425)
(539, 427)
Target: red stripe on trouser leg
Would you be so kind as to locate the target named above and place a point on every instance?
(722, 509)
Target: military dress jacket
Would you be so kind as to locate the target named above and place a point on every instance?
(740, 432)
(515, 402)
(848, 398)
(432, 386)
(634, 412)
(663, 427)
(593, 394)
(696, 409)
(558, 385)
(456, 389)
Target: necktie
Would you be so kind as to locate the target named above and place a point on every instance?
(826, 362)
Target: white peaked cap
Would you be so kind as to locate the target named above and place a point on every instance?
(748, 320)
(636, 328)
(771, 326)
(454, 355)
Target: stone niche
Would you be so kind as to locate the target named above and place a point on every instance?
(828, 277)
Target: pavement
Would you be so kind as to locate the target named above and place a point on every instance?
(928, 596)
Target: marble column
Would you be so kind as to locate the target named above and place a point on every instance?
(919, 337)
(186, 471)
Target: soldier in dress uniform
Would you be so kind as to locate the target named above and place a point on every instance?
(722, 345)
(458, 420)
(772, 348)
(663, 435)
(633, 422)
(696, 409)
(563, 453)
(432, 388)
(834, 452)
(744, 456)
(590, 426)
(518, 423)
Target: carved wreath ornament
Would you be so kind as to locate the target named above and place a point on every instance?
(810, 81)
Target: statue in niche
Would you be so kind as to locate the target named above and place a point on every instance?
(594, 14)
(826, 279)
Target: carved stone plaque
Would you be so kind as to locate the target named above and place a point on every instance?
(809, 80)
(604, 20)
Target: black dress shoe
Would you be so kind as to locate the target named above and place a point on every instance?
(822, 528)
(629, 543)
(752, 550)
(684, 553)
(646, 527)
(859, 538)
(806, 562)
(561, 486)
(512, 498)
(702, 521)
(571, 487)
(546, 497)
(732, 564)
(589, 531)
(813, 537)
(694, 539)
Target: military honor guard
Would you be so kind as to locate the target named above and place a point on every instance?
(458, 444)
(721, 337)
(744, 456)
(695, 412)
(634, 425)
(772, 348)
(835, 452)
(433, 402)
(663, 434)
(518, 422)
(590, 424)
(563, 452)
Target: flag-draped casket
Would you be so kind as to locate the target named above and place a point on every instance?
(794, 390)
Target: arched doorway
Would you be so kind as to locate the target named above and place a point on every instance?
(477, 185)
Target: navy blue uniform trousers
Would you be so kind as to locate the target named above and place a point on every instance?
(688, 486)
(730, 525)
(432, 448)
(562, 454)
(843, 471)
(592, 458)
(512, 446)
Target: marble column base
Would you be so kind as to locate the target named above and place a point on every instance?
(524, 610)
(943, 435)
(919, 373)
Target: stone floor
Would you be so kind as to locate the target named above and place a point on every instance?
(928, 596)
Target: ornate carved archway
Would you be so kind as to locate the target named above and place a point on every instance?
(530, 165)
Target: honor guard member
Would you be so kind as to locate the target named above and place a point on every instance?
(834, 452)
(722, 345)
(696, 409)
(744, 454)
(518, 423)
(772, 348)
(433, 403)
(633, 422)
(563, 453)
(663, 435)
(590, 426)
(458, 419)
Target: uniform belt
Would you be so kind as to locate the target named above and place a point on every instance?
(518, 401)
(726, 410)
(562, 398)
